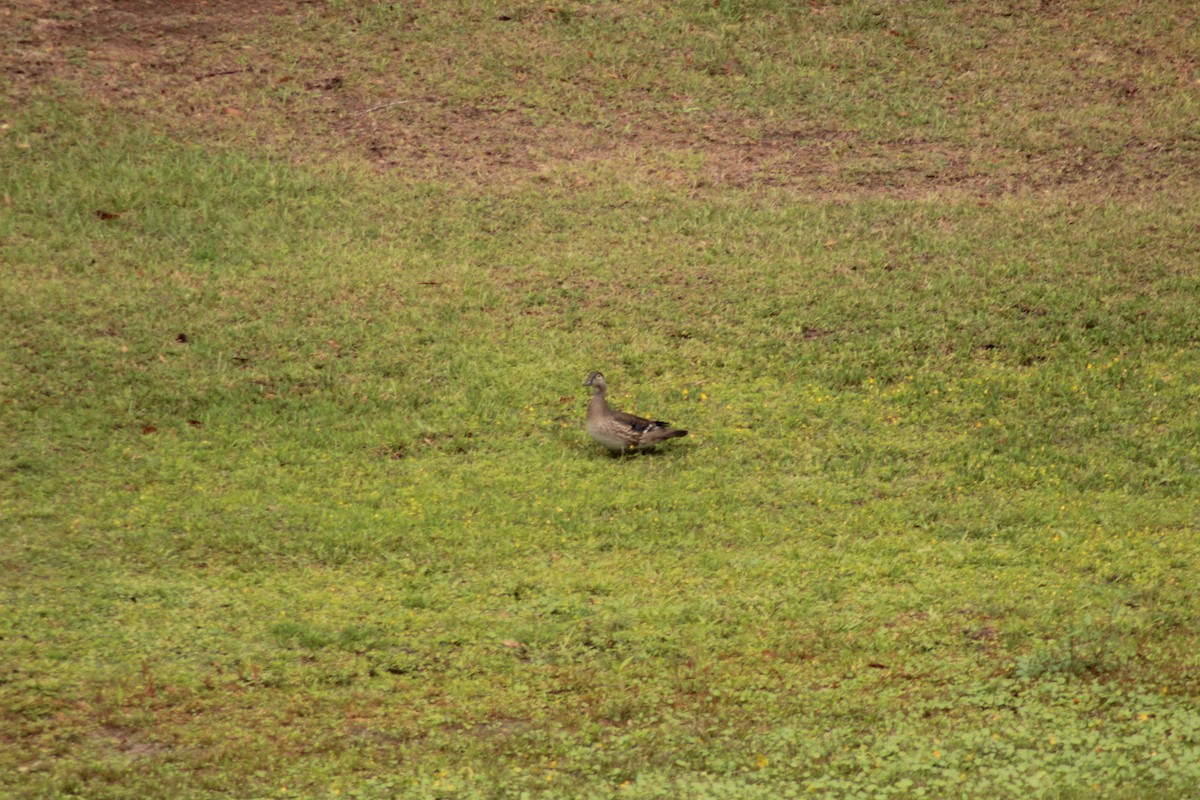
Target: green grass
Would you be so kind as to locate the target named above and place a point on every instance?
(296, 499)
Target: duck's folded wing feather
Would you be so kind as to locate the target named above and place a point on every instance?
(638, 424)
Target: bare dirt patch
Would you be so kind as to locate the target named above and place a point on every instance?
(49, 41)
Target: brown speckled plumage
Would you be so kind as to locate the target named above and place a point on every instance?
(618, 431)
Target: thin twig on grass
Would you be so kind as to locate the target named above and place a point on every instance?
(378, 108)
(223, 72)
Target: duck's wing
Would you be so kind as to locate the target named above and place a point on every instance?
(644, 431)
(636, 423)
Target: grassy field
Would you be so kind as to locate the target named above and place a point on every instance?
(298, 298)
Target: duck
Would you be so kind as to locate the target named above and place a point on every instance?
(618, 431)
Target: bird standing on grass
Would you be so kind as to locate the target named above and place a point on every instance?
(618, 431)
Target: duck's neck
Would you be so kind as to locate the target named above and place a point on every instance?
(597, 403)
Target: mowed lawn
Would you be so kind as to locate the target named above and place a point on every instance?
(298, 300)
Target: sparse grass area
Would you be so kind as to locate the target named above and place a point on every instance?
(294, 492)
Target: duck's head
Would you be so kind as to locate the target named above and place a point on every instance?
(596, 381)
